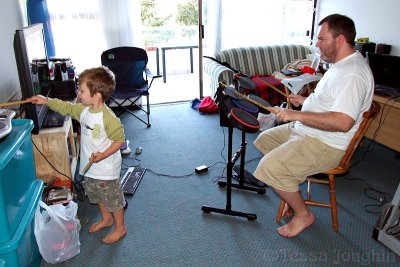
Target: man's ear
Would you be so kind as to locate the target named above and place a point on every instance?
(340, 40)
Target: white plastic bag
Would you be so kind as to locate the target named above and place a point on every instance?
(57, 231)
(266, 121)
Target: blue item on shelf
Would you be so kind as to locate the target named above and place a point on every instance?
(20, 194)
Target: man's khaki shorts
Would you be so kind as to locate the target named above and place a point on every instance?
(289, 157)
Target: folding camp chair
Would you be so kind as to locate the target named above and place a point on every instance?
(129, 65)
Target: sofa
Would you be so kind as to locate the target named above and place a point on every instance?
(255, 62)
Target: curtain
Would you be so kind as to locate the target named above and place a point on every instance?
(121, 22)
(82, 30)
(37, 12)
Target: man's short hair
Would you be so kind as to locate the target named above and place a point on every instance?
(99, 80)
(340, 24)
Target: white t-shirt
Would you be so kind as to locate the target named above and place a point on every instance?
(94, 139)
(347, 87)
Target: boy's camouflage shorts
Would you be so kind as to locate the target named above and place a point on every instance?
(108, 192)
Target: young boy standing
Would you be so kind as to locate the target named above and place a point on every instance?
(102, 136)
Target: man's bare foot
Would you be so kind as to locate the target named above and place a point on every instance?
(296, 225)
(101, 224)
(287, 211)
(115, 235)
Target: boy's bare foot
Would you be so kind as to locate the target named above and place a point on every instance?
(287, 211)
(101, 224)
(296, 225)
(115, 235)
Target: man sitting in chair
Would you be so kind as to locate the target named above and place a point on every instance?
(316, 138)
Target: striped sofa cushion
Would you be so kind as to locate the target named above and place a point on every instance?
(260, 60)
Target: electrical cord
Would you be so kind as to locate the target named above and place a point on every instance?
(374, 194)
(79, 196)
(369, 192)
(382, 119)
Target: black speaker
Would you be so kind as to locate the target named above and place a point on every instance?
(364, 48)
(383, 49)
(65, 90)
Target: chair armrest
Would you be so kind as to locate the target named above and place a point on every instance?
(150, 74)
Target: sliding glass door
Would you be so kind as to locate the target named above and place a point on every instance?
(175, 33)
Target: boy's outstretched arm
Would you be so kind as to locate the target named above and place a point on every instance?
(38, 99)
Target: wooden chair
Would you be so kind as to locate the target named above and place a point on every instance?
(343, 168)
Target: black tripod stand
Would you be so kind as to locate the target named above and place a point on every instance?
(242, 175)
(225, 108)
(228, 209)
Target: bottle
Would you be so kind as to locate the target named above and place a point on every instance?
(51, 71)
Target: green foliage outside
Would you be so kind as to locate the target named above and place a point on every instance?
(155, 30)
(188, 13)
(149, 15)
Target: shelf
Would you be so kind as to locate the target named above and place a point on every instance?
(61, 149)
(389, 132)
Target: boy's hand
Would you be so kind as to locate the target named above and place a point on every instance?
(38, 99)
(97, 156)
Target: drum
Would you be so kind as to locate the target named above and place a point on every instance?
(243, 120)
(231, 92)
(246, 83)
(262, 102)
(246, 105)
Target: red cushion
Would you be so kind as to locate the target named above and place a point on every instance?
(266, 92)
(208, 105)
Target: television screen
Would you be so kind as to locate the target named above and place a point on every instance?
(386, 71)
(33, 65)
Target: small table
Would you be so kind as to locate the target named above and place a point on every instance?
(163, 49)
(155, 48)
(59, 148)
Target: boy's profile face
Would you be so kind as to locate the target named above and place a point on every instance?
(84, 94)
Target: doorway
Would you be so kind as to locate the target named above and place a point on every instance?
(170, 35)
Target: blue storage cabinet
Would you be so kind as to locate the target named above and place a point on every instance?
(20, 192)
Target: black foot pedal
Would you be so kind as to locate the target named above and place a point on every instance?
(248, 177)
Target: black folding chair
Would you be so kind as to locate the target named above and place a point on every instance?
(129, 65)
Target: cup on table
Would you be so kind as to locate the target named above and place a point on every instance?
(307, 69)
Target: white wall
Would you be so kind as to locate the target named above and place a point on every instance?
(11, 18)
(376, 19)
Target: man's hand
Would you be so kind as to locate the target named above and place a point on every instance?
(296, 100)
(38, 99)
(285, 114)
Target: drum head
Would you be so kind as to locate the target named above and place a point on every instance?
(246, 105)
(230, 91)
(246, 83)
(243, 120)
(261, 101)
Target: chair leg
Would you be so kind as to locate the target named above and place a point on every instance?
(148, 111)
(280, 210)
(332, 192)
(308, 189)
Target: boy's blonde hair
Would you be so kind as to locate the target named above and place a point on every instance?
(99, 80)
